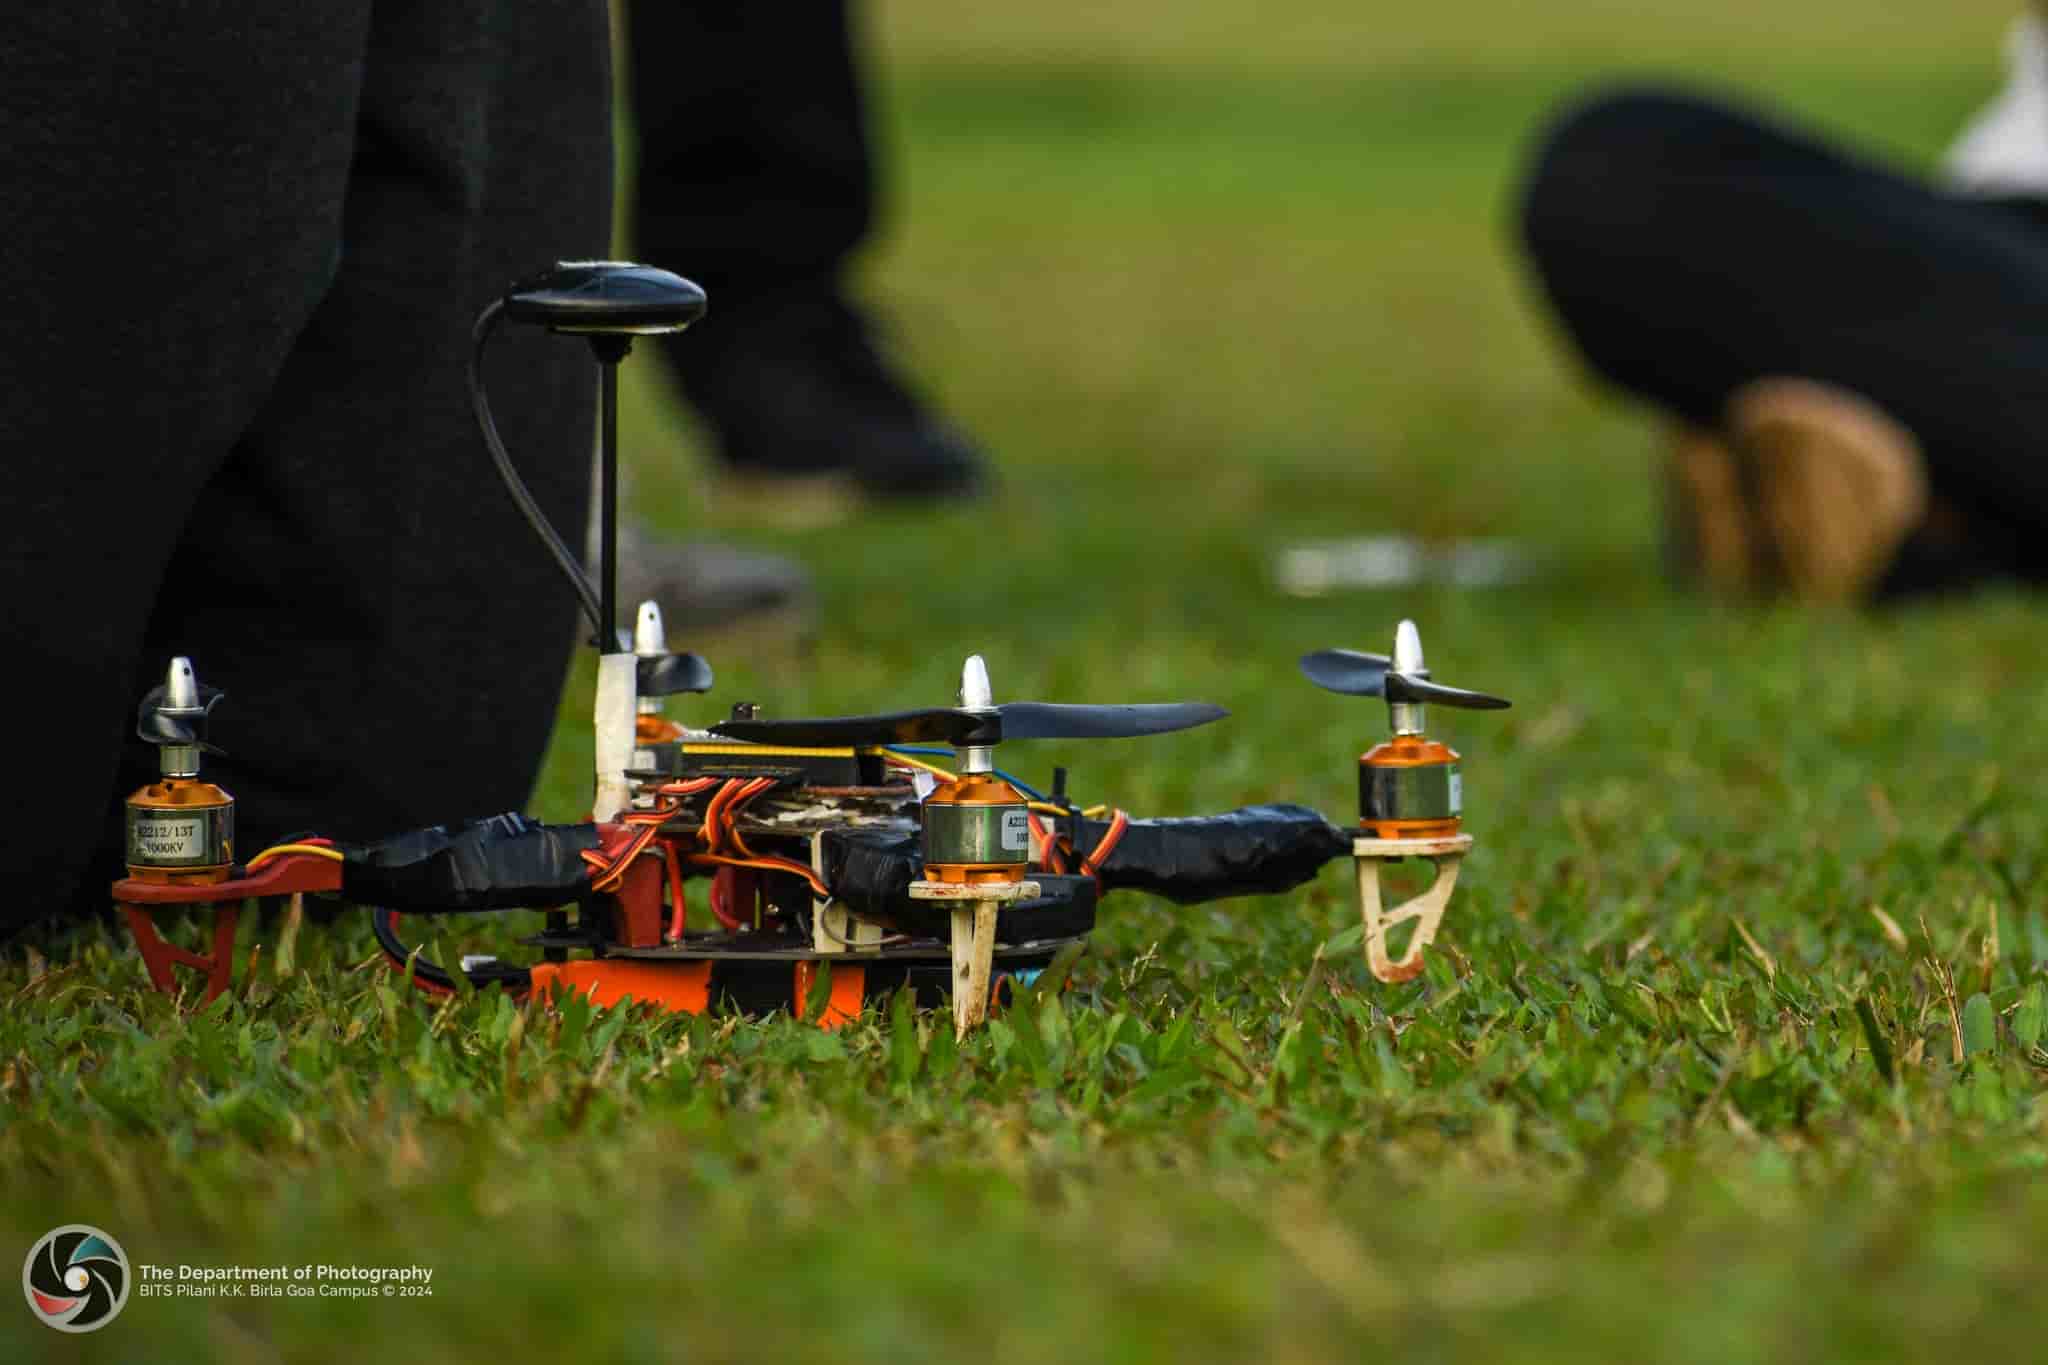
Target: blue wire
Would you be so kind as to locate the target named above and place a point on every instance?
(929, 751)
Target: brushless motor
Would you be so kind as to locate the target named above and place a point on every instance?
(977, 829)
(1408, 786)
(180, 829)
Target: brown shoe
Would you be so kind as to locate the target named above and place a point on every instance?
(1712, 544)
(1810, 490)
(1836, 483)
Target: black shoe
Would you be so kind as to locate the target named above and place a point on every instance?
(794, 387)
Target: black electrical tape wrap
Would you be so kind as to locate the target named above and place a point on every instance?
(506, 862)
(1257, 851)
(870, 872)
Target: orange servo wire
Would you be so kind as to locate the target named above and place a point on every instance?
(1053, 851)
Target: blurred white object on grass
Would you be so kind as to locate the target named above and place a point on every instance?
(1312, 568)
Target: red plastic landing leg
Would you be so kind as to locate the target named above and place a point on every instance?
(288, 875)
(160, 955)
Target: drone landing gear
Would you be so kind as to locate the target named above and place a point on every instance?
(1426, 910)
(974, 907)
(161, 956)
(138, 899)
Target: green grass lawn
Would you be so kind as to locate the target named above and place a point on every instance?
(1210, 278)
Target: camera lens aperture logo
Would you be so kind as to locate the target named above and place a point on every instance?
(76, 1278)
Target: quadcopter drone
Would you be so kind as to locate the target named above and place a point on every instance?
(842, 861)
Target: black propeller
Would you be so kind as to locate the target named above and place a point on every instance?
(668, 674)
(962, 728)
(978, 722)
(1402, 679)
(659, 673)
(1358, 674)
(1350, 671)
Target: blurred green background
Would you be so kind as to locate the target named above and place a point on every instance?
(1210, 278)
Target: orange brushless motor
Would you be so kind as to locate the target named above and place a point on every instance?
(1408, 786)
(180, 829)
(977, 829)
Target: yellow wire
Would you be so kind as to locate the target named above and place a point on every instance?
(1042, 807)
(279, 850)
(934, 769)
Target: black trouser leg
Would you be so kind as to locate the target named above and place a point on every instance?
(754, 166)
(1689, 248)
(243, 263)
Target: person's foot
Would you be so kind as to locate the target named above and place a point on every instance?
(799, 396)
(709, 590)
(1807, 489)
(1709, 542)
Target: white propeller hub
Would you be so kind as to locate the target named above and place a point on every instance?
(1407, 648)
(650, 641)
(976, 695)
(181, 686)
(975, 692)
(1406, 717)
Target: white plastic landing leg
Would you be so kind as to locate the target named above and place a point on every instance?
(973, 906)
(1427, 909)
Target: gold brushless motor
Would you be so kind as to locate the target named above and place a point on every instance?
(977, 829)
(180, 829)
(1408, 788)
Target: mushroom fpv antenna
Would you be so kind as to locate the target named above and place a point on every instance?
(608, 303)
(977, 830)
(1410, 797)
